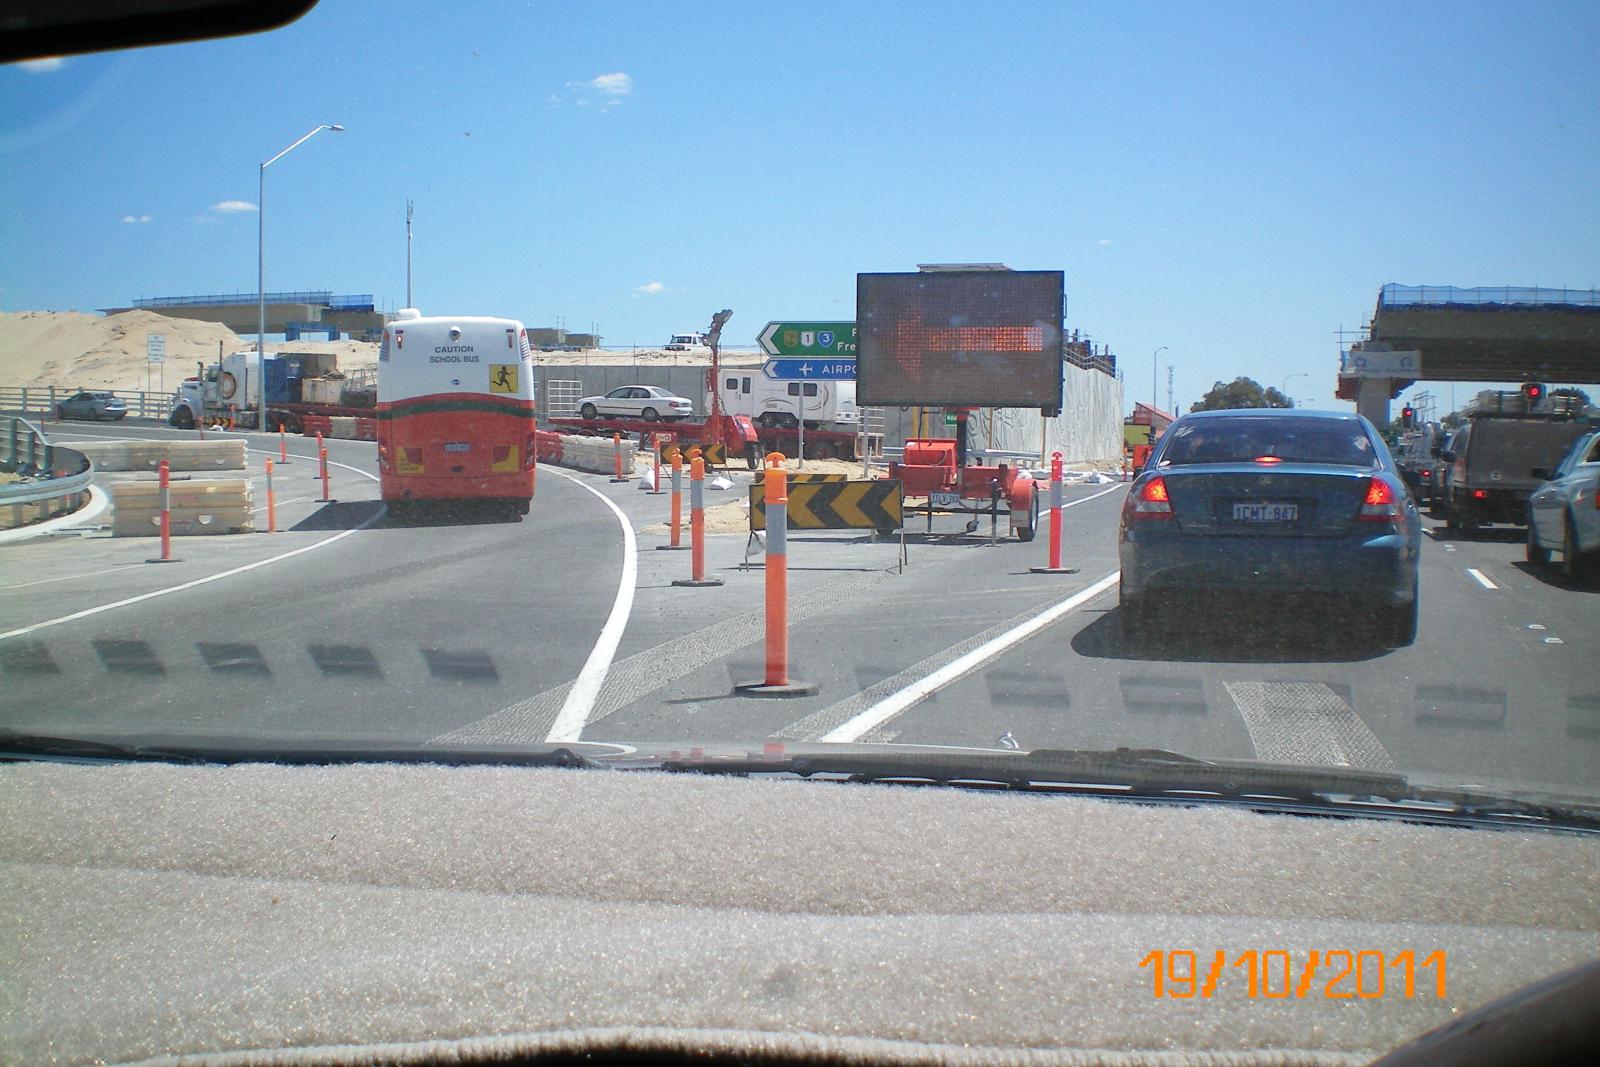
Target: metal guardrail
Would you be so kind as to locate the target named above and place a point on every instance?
(42, 400)
(57, 478)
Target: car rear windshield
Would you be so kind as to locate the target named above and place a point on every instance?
(1290, 439)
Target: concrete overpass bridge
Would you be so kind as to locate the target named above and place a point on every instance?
(1442, 333)
(290, 314)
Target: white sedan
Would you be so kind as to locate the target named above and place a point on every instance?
(647, 402)
(1564, 512)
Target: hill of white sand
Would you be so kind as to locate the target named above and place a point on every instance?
(72, 350)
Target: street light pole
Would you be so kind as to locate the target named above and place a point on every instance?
(261, 273)
(1284, 388)
(1155, 374)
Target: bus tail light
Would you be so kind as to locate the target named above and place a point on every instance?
(530, 451)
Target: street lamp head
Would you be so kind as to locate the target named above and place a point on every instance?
(335, 127)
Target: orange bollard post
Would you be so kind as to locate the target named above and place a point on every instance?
(283, 445)
(272, 501)
(655, 478)
(616, 458)
(697, 526)
(230, 418)
(675, 522)
(322, 458)
(164, 472)
(1054, 566)
(777, 682)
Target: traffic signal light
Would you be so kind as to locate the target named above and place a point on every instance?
(1533, 391)
(1407, 415)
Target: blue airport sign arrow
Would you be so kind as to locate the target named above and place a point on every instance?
(810, 369)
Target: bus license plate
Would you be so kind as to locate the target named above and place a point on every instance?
(458, 446)
(1265, 511)
(945, 500)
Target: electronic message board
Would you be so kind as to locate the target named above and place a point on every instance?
(980, 338)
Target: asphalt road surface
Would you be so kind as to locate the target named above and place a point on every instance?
(350, 625)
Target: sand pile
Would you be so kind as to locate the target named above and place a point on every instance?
(72, 350)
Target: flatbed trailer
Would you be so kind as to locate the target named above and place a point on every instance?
(736, 434)
(819, 444)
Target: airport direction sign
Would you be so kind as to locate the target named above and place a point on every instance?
(809, 339)
(810, 369)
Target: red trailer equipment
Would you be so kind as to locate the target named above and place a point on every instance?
(935, 470)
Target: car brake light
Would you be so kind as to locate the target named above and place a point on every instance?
(1152, 500)
(1480, 494)
(1426, 474)
(1268, 461)
(1381, 504)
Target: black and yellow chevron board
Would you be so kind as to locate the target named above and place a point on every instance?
(803, 476)
(875, 505)
(715, 454)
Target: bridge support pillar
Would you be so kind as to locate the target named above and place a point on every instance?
(1372, 400)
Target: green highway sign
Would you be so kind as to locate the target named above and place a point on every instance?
(809, 339)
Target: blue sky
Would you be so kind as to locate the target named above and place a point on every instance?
(1231, 180)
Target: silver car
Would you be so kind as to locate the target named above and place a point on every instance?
(88, 404)
(647, 402)
(1564, 512)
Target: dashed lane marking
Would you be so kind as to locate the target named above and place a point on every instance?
(1481, 578)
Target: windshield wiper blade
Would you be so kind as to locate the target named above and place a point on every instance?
(16, 746)
(1158, 774)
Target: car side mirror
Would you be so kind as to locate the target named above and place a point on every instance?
(1541, 473)
(1448, 456)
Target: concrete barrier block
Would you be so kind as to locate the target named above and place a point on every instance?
(196, 508)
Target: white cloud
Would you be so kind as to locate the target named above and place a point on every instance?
(136, 218)
(617, 84)
(233, 207)
(650, 288)
(606, 90)
(48, 65)
(1103, 241)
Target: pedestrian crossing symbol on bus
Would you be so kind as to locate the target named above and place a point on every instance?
(503, 377)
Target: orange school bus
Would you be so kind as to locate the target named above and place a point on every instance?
(455, 411)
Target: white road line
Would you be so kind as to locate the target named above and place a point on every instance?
(1482, 578)
(280, 503)
(893, 705)
(1044, 505)
(579, 705)
(86, 612)
(312, 459)
(70, 577)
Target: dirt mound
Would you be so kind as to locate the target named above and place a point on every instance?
(73, 350)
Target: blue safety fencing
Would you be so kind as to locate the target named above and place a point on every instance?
(1393, 296)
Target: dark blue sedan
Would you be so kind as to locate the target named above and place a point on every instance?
(1272, 501)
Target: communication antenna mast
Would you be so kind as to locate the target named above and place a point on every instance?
(409, 304)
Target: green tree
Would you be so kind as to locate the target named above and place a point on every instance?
(1241, 393)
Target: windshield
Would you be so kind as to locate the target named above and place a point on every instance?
(1065, 354)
